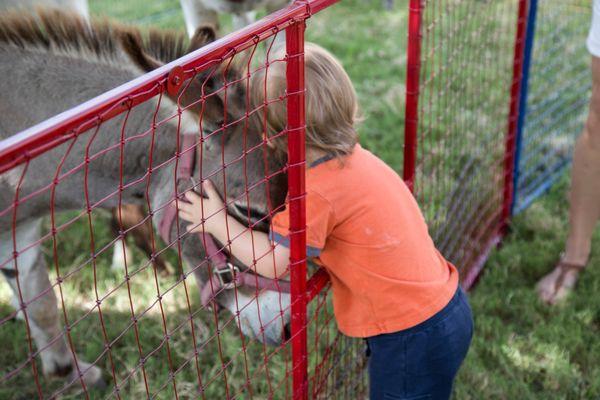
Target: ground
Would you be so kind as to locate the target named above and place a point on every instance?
(522, 349)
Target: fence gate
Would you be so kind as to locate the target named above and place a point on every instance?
(496, 94)
(463, 80)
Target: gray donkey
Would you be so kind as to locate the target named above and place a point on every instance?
(243, 12)
(129, 215)
(50, 62)
(79, 6)
(196, 13)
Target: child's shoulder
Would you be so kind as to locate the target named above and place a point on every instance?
(361, 164)
(356, 177)
(353, 171)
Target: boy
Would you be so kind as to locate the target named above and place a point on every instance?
(390, 285)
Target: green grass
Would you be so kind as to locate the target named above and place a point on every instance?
(521, 349)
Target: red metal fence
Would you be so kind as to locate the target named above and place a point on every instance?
(136, 150)
(463, 79)
(143, 327)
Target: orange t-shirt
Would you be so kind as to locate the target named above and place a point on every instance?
(365, 228)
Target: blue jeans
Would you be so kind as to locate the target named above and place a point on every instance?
(421, 362)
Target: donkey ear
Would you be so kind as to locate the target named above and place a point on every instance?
(202, 36)
(189, 96)
(133, 46)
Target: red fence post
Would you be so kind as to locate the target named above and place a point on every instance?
(296, 193)
(513, 116)
(413, 72)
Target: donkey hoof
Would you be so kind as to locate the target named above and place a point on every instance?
(121, 255)
(92, 376)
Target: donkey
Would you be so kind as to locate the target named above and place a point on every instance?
(79, 6)
(196, 13)
(243, 12)
(52, 61)
(130, 217)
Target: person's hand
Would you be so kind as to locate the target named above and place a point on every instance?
(212, 205)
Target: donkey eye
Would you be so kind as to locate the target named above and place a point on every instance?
(255, 215)
(207, 130)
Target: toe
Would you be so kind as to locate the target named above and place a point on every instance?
(545, 288)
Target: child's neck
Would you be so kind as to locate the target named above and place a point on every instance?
(313, 155)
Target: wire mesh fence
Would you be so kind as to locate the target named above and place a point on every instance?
(180, 317)
(337, 363)
(460, 112)
(105, 282)
(557, 96)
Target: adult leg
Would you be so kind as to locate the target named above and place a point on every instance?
(133, 219)
(585, 203)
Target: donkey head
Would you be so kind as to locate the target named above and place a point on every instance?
(233, 158)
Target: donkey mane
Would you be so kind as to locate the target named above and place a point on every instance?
(68, 33)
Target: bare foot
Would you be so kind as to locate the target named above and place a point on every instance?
(555, 286)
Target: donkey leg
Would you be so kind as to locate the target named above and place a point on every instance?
(79, 6)
(120, 250)
(196, 14)
(141, 235)
(240, 21)
(121, 253)
(42, 311)
(132, 220)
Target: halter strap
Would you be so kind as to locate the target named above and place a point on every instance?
(245, 278)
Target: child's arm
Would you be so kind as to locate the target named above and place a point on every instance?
(241, 236)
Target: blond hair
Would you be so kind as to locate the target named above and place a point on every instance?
(331, 103)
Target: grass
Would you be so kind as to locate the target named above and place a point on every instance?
(521, 348)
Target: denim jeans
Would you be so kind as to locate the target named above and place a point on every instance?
(421, 362)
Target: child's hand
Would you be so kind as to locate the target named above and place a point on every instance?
(213, 207)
